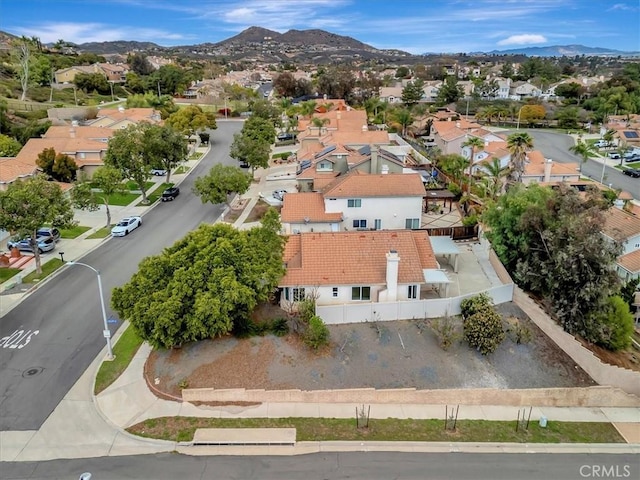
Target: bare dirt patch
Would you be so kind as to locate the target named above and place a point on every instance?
(391, 355)
(258, 211)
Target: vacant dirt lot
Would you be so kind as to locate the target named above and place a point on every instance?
(386, 355)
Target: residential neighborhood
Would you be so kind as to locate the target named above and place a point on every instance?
(293, 243)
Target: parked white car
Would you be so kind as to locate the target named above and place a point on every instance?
(601, 144)
(125, 226)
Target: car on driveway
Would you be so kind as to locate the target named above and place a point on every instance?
(126, 226)
(632, 172)
(634, 157)
(45, 244)
(601, 143)
(279, 194)
(48, 232)
(158, 172)
(614, 156)
(170, 194)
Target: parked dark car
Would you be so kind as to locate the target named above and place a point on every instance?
(170, 194)
(632, 172)
(48, 232)
(284, 137)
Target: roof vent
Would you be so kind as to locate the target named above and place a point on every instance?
(121, 108)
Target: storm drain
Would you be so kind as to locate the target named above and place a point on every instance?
(245, 436)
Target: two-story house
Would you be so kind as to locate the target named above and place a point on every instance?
(356, 267)
(624, 227)
(119, 118)
(357, 201)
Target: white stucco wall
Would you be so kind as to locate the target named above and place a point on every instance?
(325, 294)
(393, 211)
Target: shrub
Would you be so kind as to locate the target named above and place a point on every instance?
(317, 334)
(455, 189)
(518, 331)
(306, 310)
(482, 325)
(446, 331)
(613, 325)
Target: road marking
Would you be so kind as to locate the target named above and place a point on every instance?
(18, 339)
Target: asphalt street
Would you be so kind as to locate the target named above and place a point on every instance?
(326, 466)
(556, 146)
(65, 312)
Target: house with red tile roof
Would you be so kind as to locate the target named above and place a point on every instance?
(624, 227)
(12, 169)
(358, 267)
(538, 169)
(118, 118)
(449, 135)
(357, 201)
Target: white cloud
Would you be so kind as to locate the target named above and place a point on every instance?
(523, 39)
(95, 32)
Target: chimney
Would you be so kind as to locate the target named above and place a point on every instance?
(393, 261)
(374, 159)
(72, 132)
(547, 169)
(457, 124)
(338, 117)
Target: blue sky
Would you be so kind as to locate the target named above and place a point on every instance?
(416, 26)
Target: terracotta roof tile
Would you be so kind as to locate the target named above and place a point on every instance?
(296, 207)
(377, 185)
(620, 225)
(355, 258)
(631, 261)
(11, 169)
(58, 131)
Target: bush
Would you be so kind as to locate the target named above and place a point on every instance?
(519, 332)
(306, 310)
(612, 327)
(317, 334)
(455, 189)
(482, 325)
(445, 330)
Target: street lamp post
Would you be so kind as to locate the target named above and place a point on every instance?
(106, 332)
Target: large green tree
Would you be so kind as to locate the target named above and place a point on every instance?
(27, 205)
(220, 182)
(192, 119)
(87, 195)
(412, 93)
(166, 148)
(9, 147)
(128, 152)
(584, 150)
(550, 242)
(475, 144)
(204, 285)
(449, 91)
(58, 166)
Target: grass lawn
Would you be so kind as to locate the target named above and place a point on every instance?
(181, 429)
(73, 232)
(47, 269)
(629, 165)
(122, 199)
(123, 350)
(181, 169)
(131, 185)
(6, 273)
(155, 194)
(102, 233)
(195, 156)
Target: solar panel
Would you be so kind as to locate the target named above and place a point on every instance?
(629, 134)
(329, 149)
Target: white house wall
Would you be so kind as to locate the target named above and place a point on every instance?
(325, 294)
(631, 244)
(294, 228)
(393, 211)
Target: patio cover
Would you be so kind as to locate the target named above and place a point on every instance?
(446, 247)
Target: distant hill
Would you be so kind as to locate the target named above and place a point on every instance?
(120, 46)
(561, 50)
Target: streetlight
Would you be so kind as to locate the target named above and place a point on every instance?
(106, 332)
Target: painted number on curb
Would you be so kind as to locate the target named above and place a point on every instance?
(18, 339)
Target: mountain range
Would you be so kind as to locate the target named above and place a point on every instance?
(314, 46)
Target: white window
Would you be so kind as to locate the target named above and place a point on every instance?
(412, 223)
(412, 291)
(354, 202)
(377, 223)
(360, 293)
(82, 154)
(335, 291)
(324, 166)
(298, 294)
(359, 224)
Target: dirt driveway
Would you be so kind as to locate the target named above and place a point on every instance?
(393, 355)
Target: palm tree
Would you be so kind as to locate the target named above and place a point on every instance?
(307, 108)
(404, 118)
(584, 150)
(519, 144)
(491, 183)
(473, 142)
(319, 123)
